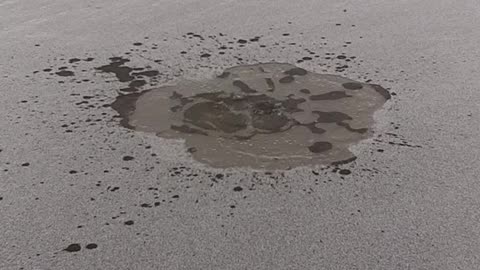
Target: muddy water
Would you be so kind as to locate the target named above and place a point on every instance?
(272, 116)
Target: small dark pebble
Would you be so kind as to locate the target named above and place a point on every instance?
(129, 222)
(128, 158)
(344, 172)
(238, 188)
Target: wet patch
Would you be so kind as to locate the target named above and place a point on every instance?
(252, 116)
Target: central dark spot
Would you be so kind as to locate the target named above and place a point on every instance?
(320, 147)
(296, 71)
(243, 86)
(65, 73)
(352, 86)
(215, 116)
(287, 79)
(330, 96)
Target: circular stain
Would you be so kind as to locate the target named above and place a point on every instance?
(270, 116)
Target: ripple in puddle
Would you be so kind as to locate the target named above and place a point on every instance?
(271, 116)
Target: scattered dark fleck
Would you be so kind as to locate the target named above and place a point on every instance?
(73, 60)
(238, 188)
(91, 246)
(344, 172)
(128, 158)
(73, 248)
(129, 222)
(65, 73)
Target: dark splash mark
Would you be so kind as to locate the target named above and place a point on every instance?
(229, 109)
(270, 84)
(343, 162)
(382, 91)
(344, 172)
(331, 117)
(129, 222)
(305, 91)
(117, 67)
(148, 73)
(137, 83)
(349, 128)
(330, 95)
(187, 129)
(73, 248)
(214, 116)
(314, 129)
(290, 105)
(73, 60)
(296, 71)
(65, 73)
(125, 105)
(205, 55)
(135, 76)
(91, 246)
(244, 87)
(338, 118)
(319, 147)
(287, 79)
(224, 75)
(352, 86)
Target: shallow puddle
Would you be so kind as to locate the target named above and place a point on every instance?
(272, 116)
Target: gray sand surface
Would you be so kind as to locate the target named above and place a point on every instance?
(70, 174)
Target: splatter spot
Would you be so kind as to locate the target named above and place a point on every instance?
(129, 222)
(73, 248)
(320, 147)
(65, 73)
(91, 246)
(268, 115)
(352, 86)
